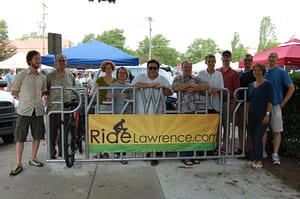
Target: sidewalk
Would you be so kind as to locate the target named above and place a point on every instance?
(112, 180)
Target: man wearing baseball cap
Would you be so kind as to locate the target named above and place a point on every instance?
(231, 82)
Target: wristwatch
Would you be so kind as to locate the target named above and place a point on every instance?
(268, 113)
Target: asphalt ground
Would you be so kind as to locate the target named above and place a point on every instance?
(170, 179)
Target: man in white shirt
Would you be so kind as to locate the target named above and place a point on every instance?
(215, 80)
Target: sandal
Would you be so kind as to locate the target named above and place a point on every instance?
(196, 161)
(256, 166)
(187, 162)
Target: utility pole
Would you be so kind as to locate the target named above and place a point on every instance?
(150, 42)
(43, 26)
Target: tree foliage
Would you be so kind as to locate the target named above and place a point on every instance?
(88, 38)
(200, 48)
(6, 48)
(113, 37)
(32, 35)
(267, 35)
(160, 50)
(238, 50)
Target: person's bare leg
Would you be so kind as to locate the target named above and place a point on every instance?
(19, 151)
(35, 148)
(276, 142)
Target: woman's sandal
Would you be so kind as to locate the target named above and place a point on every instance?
(187, 162)
(196, 161)
(256, 166)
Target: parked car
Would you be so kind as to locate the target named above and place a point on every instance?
(136, 70)
(8, 114)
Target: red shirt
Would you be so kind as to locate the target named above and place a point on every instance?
(231, 80)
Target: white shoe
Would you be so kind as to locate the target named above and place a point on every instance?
(275, 159)
(265, 155)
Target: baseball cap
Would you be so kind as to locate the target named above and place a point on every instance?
(226, 53)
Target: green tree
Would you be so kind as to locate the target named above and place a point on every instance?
(6, 48)
(160, 50)
(32, 35)
(267, 35)
(88, 38)
(200, 48)
(113, 37)
(238, 50)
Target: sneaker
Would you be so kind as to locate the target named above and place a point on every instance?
(265, 155)
(16, 170)
(276, 159)
(35, 162)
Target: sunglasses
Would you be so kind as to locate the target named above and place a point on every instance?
(152, 68)
(247, 60)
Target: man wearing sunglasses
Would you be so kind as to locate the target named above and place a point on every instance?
(151, 83)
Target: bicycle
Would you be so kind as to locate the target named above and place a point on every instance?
(72, 138)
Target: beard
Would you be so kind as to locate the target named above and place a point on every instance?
(36, 66)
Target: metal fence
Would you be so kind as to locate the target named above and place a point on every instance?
(91, 105)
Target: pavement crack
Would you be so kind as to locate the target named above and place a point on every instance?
(92, 181)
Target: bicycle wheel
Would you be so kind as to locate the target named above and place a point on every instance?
(68, 145)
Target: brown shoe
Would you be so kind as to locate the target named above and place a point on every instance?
(105, 156)
(154, 162)
(187, 162)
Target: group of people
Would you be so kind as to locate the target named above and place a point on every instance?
(265, 99)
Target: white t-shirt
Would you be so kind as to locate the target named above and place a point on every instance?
(141, 105)
(215, 80)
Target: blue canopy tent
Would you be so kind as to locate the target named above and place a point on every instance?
(91, 54)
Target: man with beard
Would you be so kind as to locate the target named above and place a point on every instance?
(29, 86)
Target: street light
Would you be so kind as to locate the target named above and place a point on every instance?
(44, 26)
(150, 42)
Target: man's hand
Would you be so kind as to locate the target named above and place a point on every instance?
(213, 91)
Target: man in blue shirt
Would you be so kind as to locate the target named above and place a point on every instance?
(280, 79)
(10, 78)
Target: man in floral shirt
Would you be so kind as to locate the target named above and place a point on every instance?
(189, 87)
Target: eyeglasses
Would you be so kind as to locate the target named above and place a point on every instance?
(247, 60)
(152, 68)
(61, 60)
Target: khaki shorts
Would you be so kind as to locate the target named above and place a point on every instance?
(36, 124)
(276, 123)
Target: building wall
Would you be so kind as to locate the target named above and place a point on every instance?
(37, 44)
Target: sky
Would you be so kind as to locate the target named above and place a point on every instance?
(179, 21)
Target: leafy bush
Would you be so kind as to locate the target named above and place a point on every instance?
(291, 121)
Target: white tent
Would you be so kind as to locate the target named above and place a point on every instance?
(18, 61)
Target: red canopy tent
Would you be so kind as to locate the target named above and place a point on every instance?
(179, 67)
(288, 54)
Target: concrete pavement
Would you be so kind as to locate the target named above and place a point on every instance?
(136, 180)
